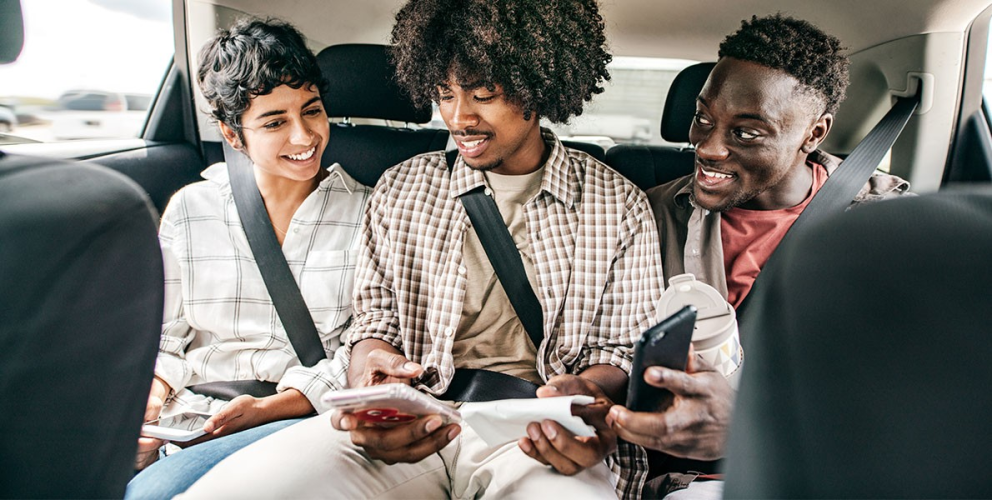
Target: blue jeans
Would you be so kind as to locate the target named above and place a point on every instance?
(172, 475)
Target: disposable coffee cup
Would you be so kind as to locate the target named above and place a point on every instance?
(715, 336)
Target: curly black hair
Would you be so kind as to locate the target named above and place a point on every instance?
(548, 55)
(249, 59)
(796, 47)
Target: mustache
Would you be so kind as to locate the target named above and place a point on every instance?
(467, 132)
(704, 162)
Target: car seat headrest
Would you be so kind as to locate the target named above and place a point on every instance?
(680, 106)
(11, 30)
(362, 85)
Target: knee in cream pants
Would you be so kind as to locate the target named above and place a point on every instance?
(313, 460)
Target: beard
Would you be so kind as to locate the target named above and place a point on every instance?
(735, 199)
(485, 167)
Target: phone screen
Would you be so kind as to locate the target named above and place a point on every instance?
(384, 415)
(665, 344)
(179, 427)
(389, 404)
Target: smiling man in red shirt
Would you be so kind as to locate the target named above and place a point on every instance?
(767, 106)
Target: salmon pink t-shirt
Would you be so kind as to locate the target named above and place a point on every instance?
(750, 236)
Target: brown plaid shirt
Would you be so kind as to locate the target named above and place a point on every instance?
(594, 246)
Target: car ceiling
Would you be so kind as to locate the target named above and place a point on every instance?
(887, 40)
(656, 28)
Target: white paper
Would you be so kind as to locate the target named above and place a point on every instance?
(499, 422)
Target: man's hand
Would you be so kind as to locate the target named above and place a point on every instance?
(383, 367)
(551, 444)
(374, 362)
(408, 442)
(695, 426)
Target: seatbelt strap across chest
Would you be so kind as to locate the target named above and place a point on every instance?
(504, 256)
(278, 278)
(844, 184)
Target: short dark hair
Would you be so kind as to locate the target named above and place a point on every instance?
(549, 57)
(796, 47)
(250, 59)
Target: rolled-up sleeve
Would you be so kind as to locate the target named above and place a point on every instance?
(628, 305)
(374, 302)
(327, 375)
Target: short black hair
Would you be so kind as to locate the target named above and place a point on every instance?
(249, 59)
(797, 47)
(549, 56)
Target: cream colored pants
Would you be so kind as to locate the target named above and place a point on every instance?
(313, 460)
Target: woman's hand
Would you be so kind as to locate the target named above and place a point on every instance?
(148, 447)
(245, 412)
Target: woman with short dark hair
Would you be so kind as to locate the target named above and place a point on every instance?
(264, 88)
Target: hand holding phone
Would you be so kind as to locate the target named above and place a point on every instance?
(180, 427)
(665, 344)
(389, 404)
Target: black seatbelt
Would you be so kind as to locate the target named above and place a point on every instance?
(271, 262)
(503, 255)
(844, 184)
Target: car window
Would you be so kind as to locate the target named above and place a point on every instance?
(629, 109)
(987, 83)
(89, 69)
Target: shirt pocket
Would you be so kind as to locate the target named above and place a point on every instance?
(326, 282)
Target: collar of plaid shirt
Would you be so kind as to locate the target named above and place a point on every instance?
(559, 180)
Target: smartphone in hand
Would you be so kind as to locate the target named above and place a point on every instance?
(389, 404)
(190, 426)
(665, 344)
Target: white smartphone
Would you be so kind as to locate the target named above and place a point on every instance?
(389, 404)
(190, 426)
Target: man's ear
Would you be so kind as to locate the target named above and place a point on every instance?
(817, 132)
(230, 135)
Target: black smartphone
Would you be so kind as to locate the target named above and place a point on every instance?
(665, 344)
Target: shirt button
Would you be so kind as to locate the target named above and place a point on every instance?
(296, 230)
(461, 270)
(695, 251)
(489, 192)
(449, 331)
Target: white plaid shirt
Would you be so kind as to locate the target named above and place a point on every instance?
(593, 242)
(220, 323)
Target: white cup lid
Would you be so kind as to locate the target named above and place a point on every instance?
(714, 316)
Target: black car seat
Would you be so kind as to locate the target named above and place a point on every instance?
(362, 86)
(80, 318)
(650, 166)
(870, 377)
(595, 150)
(81, 296)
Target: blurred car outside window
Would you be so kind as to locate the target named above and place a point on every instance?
(629, 109)
(89, 69)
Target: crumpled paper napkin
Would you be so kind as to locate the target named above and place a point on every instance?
(499, 422)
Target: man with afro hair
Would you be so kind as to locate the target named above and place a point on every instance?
(767, 105)
(429, 310)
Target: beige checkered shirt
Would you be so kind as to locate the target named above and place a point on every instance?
(594, 246)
